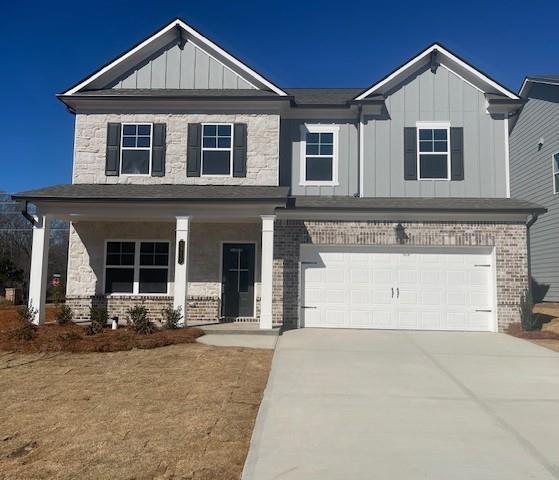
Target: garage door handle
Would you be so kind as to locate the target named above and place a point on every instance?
(398, 292)
(392, 292)
(488, 311)
(304, 306)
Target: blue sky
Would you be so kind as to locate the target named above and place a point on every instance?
(48, 46)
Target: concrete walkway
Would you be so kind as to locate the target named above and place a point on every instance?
(356, 404)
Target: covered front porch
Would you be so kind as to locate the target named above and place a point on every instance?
(210, 258)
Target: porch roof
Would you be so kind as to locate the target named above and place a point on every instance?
(156, 193)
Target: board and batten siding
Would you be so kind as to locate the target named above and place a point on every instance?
(290, 157)
(440, 96)
(189, 68)
(532, 179)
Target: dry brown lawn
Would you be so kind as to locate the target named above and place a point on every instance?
(177, 412)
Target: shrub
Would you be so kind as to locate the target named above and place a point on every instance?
(98, 317)
(529, 320)
(171, 317)
(138, 319)
(64, 314)
(26, 330)
(58, 294)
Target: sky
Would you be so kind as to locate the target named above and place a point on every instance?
(46, 47)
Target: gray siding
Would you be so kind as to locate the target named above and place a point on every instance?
(531, 179)
(442, 96)
(189, 68)
(290, 158)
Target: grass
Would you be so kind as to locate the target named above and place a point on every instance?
(73, 338)
(179, 412)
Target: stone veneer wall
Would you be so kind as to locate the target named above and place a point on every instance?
(508, 238)
(262, 148)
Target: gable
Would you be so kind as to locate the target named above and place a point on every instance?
(176, 56)
(434, 57)
(188, 67)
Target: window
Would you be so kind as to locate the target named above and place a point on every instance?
(217, 147)
(137, 267)
(319, 165)
(556, 173)
(433, 155)
(136, 148)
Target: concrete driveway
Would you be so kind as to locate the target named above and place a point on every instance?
(357, 404)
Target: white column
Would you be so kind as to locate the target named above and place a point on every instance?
(39, 264)
(267, 261)
(181, 265)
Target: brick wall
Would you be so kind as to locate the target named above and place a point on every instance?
(509, 240)
(199, 308)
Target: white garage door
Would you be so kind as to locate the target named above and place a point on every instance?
(398, 288)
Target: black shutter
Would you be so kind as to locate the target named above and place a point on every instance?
(410, 153)
(240, 150)
(456, 153)
(112, 159)
(193, 150)
(158, 150)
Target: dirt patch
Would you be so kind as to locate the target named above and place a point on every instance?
(516, 330)
(184, 411)
(52, 337)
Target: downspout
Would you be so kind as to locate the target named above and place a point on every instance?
(530, 222)
(361, 153)
(27, 215)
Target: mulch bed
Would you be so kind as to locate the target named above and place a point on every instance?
(516, 330)
(52, 337)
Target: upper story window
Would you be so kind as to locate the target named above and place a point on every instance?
(555, 168)
(319, 155)
(136, 267)
(217, 149)
(433, 153)
(136, 148)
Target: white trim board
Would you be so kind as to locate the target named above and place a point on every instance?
(200, 41)
(406, 69)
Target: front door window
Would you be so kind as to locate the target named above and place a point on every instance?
(237, 289)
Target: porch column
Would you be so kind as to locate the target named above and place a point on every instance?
(39, 264)
(181, 266)
(267, 260)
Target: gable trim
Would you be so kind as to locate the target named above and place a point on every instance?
(436, 47)
(529, 80)
(200, 39)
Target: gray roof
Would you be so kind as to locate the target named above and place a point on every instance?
(128, 192)
(415, 204)
(323, 96)
(544, 78)
(301, 96)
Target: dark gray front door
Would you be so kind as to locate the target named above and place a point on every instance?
(237, 282)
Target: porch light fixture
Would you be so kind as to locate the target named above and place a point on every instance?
(181, 252)
(401, 235)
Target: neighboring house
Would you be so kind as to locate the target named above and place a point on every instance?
(198, 182)
(534, 156)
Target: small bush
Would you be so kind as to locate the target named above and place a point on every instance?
(98, 317)
(26, 330)
(529, 320)
(58, 294)
(171, 317)
(64, 314)
(138, 319)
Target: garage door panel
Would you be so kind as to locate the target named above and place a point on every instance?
(389, 287)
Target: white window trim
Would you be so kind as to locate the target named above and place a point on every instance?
(216, 149)
(430, 126)
(136, 148)
(136, 267)
(554, 172)
(318, 128)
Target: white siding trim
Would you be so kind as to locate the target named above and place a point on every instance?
(507, 156)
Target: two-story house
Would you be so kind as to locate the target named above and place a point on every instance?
(198, 182)
(534, 157)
